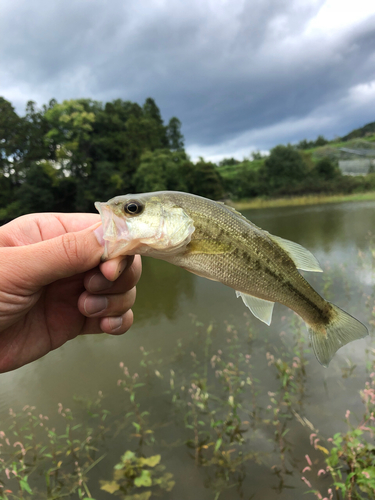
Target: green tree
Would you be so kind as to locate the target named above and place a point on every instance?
(229, 162)
(11, 143)
(161, 170)
(151, 110)
(244, 181)
(37, 191)
(304, 144)
(321, 141)
(36, 127)
(203, 179)
(71, 125)
(326, 169)
(152, 113)
(283, 170)
(256, 155)
(104, 182)
(168, 170)
(112, 144)
(5, 191)
(174, 136)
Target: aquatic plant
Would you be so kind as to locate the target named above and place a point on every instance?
(130, 384)
(349, 456)
(145, 475)
(222, 413)
(31, 448)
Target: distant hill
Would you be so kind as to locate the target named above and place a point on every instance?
(360, 132)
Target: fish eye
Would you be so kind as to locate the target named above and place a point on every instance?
(133, 207)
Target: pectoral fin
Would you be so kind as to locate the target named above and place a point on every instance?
(302, 258)
(262, 309)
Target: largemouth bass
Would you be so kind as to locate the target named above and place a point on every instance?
(214, 241)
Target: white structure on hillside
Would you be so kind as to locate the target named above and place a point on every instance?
(362, 161)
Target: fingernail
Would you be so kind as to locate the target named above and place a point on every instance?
(115, 322)
(98, 282)
(99, 235)
(95, 305)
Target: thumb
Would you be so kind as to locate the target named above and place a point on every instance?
(60, 257)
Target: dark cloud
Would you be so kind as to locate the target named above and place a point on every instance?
(228, 70)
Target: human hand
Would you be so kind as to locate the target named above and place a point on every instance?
(53, 286)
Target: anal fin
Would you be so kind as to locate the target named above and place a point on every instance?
(262, 309)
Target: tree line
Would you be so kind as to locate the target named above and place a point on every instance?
(65, 156)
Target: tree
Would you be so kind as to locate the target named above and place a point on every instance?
(174, 136)
(205, 180)
(228, 162)
(151, 110)
(242, 182)
(36, 127)
(71, 125)
(326, 169)
(256, 155)
(283, 169)
(161, 170)
(104, 182)
(37, 191)
(111, 142)
(11, 143)
(5, 191)
(64, 156)
(321, 141)
(304, 144)
(167, 170)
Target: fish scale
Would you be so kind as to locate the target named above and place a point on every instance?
(215, 241)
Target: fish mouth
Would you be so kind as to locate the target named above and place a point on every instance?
(116, 233)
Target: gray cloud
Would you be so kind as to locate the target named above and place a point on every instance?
(228, 70)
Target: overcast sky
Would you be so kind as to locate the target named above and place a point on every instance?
(241, 75)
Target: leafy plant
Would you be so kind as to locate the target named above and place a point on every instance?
(136, 472)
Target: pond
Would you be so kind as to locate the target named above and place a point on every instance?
(234, 408)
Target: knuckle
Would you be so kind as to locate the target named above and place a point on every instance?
(127, 301)
(133, 275)
(70, 248)
(132, 297)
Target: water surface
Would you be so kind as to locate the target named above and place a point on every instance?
(166, 300)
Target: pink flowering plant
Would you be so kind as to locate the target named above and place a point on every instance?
(31, 447)
(350, 456)
(351, 461)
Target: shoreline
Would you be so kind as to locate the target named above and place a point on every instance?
(258, 203)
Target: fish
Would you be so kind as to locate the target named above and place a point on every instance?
(214, 241)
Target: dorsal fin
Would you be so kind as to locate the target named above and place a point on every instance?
(302, 258)
(235, 212)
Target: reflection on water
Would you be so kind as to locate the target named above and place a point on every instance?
(161, 290)
(239, 447)
(321, 227)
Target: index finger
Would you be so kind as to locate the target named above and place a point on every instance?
(32, 228)
(78, 221)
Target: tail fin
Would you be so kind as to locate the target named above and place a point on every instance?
(340, 331)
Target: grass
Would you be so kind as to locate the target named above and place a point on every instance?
(256, 203)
